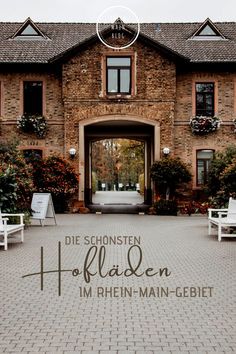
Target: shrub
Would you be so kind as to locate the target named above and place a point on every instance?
(228, 179)
(220, 180)
(8, 186)
(16, 184)
(56, 176)
(166, 207)
(168, 174)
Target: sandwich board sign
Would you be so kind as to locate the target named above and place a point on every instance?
(42, 207)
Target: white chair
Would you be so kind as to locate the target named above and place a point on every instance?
(225, 220)
(8, 230)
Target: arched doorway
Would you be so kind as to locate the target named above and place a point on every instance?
(118, 167)
(110, 127)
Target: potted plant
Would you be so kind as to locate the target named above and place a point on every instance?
(204, 125)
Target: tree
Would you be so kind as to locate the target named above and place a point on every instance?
(219, 163)
(228, 179)
(118, 161)
(168, 174)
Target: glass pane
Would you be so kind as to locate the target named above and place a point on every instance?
(112, 80)
(29, 31)
(33, 97)
(200, 172)
(118, 61)
(124, 80)
(205, 87)
(207, 31)
(209, 101)
(205, 154)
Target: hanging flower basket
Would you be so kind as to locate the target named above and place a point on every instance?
(33, 124)
(204, 125)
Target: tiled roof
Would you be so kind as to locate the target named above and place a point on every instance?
(64, 36)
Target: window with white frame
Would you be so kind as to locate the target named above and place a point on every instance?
(204, 158)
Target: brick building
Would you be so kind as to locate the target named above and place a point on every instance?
(149, 90)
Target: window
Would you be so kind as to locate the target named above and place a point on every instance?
(204, 158)
(207, 31)
(32, 154)
(28, 31)
(205, 99)
(33, 98)
(118, 75)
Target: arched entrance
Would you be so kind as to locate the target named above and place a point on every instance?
(117, 126)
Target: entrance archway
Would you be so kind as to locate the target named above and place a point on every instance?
(118, 126)
(118, 171)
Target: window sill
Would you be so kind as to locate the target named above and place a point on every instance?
(118, 96)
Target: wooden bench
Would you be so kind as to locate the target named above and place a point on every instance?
(224, 220)
(8, 230)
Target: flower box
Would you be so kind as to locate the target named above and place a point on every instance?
(204, 125)
(33, 124)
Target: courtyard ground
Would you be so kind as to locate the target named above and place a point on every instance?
(122, 315)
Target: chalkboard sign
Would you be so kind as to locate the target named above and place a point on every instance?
(42, 207)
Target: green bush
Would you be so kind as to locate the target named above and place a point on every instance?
(222, 177)
(8, 186)
(166, 207)
(168, 174)
(55, 175)
(219, 163)
(16, 184)
(228, 179)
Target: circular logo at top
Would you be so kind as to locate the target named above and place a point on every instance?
(118, 27)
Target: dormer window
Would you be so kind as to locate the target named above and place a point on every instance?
(207, 31)
(29, 30)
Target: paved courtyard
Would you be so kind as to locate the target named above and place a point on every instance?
(124, 315)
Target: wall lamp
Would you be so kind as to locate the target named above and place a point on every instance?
(166, 151)
(72, 152)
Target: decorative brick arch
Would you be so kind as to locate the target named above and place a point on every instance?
(111, 118)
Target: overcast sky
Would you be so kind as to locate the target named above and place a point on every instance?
(146, 10)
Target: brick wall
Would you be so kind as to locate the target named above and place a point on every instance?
(84, 95)
(12, 108)
(75, 92)
(186, 144)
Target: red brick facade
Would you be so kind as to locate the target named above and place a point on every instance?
(162, 95)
